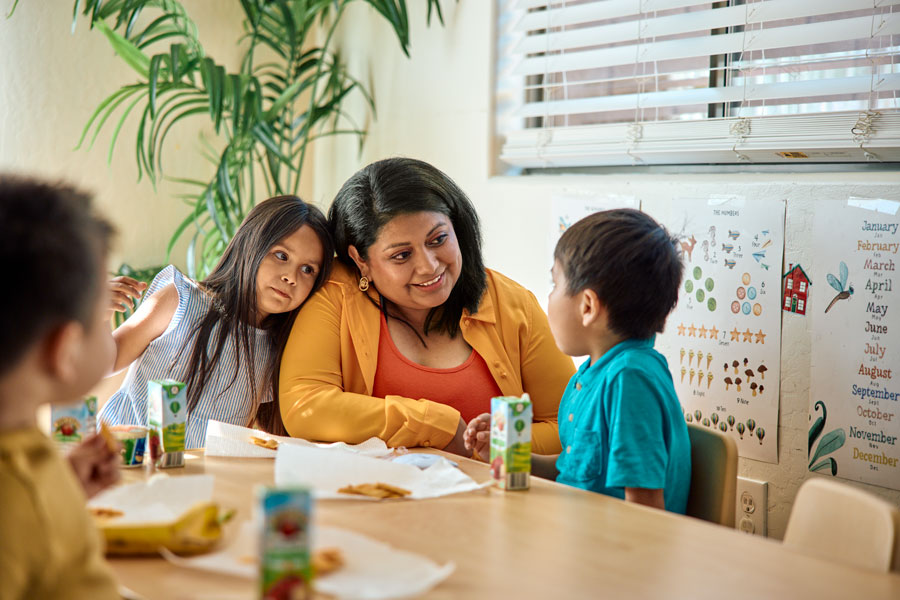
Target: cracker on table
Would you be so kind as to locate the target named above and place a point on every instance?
(375, 490)
(326, 560)
(398, 492)
(105, 513)
(108, 436)
(264, 442)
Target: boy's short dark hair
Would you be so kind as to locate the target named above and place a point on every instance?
(630, 261)
(51, 249)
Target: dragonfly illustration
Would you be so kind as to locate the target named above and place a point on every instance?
(841, 286)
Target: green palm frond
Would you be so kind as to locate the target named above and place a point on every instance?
(264, 115)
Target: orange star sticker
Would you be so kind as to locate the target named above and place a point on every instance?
(760, 337)
(748, 336)
(692, 331)
(681, 329)
(713, 333)
(703, 331)
(735, 335)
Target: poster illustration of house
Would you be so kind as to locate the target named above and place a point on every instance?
(796, 290)
(723, 339)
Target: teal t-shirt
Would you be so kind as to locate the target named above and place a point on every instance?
(621, 425)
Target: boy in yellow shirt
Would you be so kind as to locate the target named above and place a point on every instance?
(55, 344)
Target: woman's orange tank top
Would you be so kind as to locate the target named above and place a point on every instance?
(468, 387)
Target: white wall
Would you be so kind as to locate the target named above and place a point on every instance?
(50, 83)
(437, 107)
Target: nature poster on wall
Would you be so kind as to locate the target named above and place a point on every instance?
(723, 340)
(854, 398)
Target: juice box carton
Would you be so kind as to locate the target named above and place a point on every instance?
(285, 563)
(166, 415)
(71, 423)
(133, 439)
(511, 441)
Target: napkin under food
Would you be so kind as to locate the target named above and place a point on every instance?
(160, 499)
(325, 472)
(225, 439)
(372, 570)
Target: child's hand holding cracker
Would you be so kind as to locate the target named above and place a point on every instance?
(96, 463)
(477, 436)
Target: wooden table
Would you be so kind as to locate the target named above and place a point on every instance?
(552, 541)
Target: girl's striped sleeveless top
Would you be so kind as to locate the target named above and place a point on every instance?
(220, 401)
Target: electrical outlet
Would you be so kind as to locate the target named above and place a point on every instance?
(751, 508)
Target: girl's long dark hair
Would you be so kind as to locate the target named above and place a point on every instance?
(232, 285)
(397, 186)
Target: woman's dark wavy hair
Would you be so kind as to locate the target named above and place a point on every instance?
(398, 186)
(232, 284)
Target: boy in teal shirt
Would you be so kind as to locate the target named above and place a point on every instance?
(616, 276)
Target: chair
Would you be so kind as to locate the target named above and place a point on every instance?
(713, 476)
(839, 522)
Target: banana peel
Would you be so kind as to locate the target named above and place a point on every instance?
(196, 531)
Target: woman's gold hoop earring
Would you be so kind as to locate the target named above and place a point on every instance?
(363, 283)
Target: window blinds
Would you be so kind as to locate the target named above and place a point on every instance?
(600, 82)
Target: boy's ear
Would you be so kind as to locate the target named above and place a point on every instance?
(360, 263)
(61, 350)
(591, 308)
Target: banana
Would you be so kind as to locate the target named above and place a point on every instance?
(196, 531)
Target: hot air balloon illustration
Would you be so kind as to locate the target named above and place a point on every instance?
(723, 427)
(760, 433)
(740, 428)
(689, 418)
(731, 421)
(705, 421)
(751, 425)
(714, 418)
(697, 415)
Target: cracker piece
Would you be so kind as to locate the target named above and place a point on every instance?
(265, 443)
(326, 560)
(108, 436)
(105, 513)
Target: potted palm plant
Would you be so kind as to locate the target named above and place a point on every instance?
(265, 115)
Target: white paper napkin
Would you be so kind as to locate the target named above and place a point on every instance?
(224, 439)
(326, 472)
(160, 499)
(372, 570)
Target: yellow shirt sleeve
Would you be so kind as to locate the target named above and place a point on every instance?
(49, 547)
(322, 394)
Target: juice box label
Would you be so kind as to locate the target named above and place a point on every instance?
(285, 563)
(511, 441)
(73, 423)
(167, 413)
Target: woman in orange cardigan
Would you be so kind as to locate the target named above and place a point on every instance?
(412, 335)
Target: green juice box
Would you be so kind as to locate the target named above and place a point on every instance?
(166, 416)
(70, 424)
(511, 441)
(285, 562)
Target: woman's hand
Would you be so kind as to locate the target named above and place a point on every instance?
(96, 466)
(457, 445)
(123, 292)
(477, 436)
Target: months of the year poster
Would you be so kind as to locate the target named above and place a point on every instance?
(854, 420)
